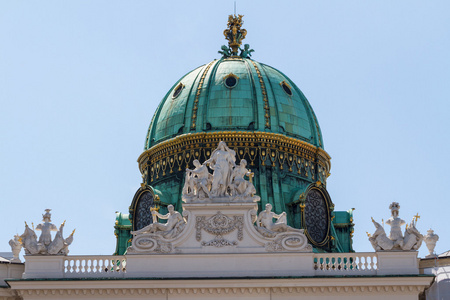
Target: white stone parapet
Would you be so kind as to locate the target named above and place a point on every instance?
(83, 266)
(366, 263)
(222, 265)
(330, 264)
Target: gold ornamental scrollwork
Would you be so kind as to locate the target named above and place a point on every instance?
(234, 33)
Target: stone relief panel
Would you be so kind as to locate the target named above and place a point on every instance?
(219, 225)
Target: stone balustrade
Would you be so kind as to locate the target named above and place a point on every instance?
(94, 266)
(83, 266)
(302, 264)
(331, 264)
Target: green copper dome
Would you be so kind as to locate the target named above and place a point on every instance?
(267, 121)
(234, 94)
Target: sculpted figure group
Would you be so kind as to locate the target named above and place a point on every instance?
(226, 181)
(218, 180)
(45, 245)
(410, 240)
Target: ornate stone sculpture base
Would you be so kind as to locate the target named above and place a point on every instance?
(220, 228)
(221, 240)
(225, 199)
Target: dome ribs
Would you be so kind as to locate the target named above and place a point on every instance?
(264, 93)
(197, 96)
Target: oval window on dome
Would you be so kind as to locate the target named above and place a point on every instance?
(142, 216)
(230, 80)
(286, 88)
(177, 90)
(316, 217)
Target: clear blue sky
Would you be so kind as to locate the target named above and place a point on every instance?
(80, 81)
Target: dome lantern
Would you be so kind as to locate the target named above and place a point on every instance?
(235, 34)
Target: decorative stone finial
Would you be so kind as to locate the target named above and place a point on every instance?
(430, 240)
(410, 240)
(16, 246)
(45, 245)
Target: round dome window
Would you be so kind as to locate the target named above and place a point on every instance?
(230, 80)
(177, 90)
(286, 88)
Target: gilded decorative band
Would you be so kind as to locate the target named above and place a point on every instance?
(197, 96)
(264, 93)
(267, 149)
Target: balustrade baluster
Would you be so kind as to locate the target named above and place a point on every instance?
(101, 266)
(83, 266)
(107, 265)
(71, 266)
(95, 265)
(88, 265)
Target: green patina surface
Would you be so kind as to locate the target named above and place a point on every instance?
(257, 98)
(122, 231)
(343, 229)
(238, 108)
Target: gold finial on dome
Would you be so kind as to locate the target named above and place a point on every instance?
(234, 33)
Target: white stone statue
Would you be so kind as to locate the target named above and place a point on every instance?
(430, 240)
(198, 181)
(16, 246)
(238, 185)
(46, 228)
(411, 240)
(266, 226)
(45, 245)
(395, 222)
(174, 225)
(157, 237)
(222, 161)
(225, 184)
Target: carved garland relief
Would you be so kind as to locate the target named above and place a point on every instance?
(219, 225)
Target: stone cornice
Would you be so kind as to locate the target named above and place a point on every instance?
(120, 288)
(434, 262)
